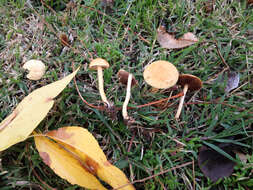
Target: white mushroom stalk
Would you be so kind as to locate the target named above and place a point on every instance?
(128, 96)
(101, 85)
(99, 64)
(181, 101)
(190, 83)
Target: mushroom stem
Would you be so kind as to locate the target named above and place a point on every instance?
(181, 101)
(128, 95)
(101, 85)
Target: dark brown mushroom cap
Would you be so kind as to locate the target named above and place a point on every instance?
(123, 78)
(194, 83)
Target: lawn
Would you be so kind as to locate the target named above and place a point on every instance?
(125, 34)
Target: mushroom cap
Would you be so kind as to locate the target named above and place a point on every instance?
(194, 83)
(98, 62)
(123, 78)
(161, 74)
(36, 69)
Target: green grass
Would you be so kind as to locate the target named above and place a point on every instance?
(113, 36)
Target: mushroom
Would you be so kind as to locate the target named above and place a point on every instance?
(128, 79)
(161, 74)
(36, 69)
(189, 82)
(99, 64)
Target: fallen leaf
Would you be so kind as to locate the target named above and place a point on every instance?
(65, 165)
(233, 81)
(80, 142)
(30, 112)
(64, 40)
(168, 41)
(250, 1)
(213, 164)
(36, 69)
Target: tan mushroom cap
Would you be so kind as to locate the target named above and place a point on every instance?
(194, 83)
(123, 78)
(161, 74)
(36, 69)
(98, 62)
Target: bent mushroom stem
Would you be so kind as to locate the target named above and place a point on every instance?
(101, 85)
(128, 95)
(181, 101)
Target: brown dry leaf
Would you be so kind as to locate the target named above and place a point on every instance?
(168, 41)
(82, 144)
(233, 81)
(250, 1)
(30, 112)
(64, 40)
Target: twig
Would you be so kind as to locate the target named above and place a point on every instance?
(79, 93)
(160, 101)
(222, 59)
(150, 177)
(46, 5)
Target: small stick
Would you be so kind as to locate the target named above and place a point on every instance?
(222, 59)
(79, 93)
(181, 101)
(162, 100)
(150, 177)
(128, 95)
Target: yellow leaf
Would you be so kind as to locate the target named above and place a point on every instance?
(83, 144)
(30, 112)
(170, 42)
(65, 164)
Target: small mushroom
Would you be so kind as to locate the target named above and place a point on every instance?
(99, 64)
(36, 69)
(161, 74)
(189, 82)
(128, 79)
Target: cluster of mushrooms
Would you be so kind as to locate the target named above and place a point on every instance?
(159, 74)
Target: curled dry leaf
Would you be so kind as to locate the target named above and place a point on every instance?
(81, 145)
(233, 81)
(23, 120)
(213, 164)
(168, 41)
(64, 40)
(36, 69)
